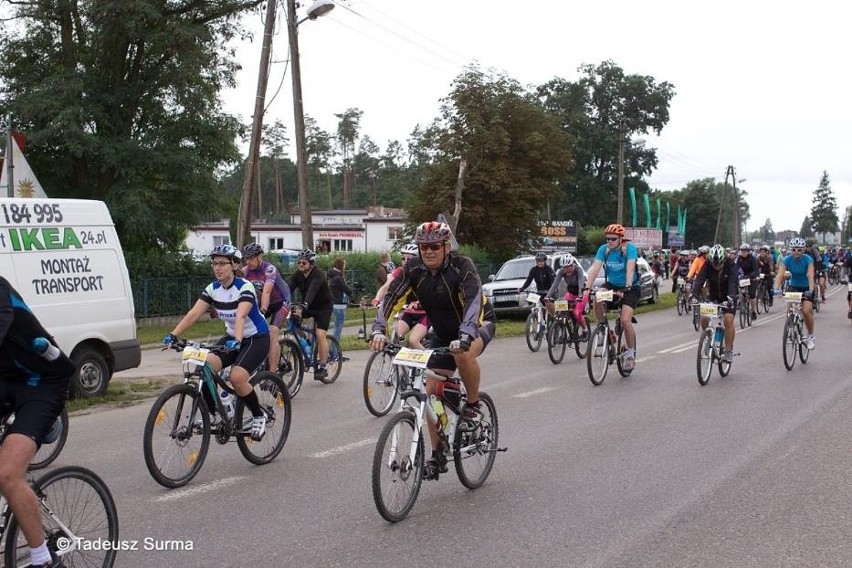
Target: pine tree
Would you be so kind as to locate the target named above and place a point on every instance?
(824, 210)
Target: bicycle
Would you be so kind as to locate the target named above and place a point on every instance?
(383, 380)
(48, 451)
(537, 322)
(565, 331)
(298, 354)
(817, 295)
(178, 428)
(794, 339)
(834, 273)
(745, 311)
(399, 458)
(711, 345)
(682, 299)
(606, 346)
(765, 296)
(76, 508)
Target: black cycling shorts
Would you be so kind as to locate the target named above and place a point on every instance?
(252, 354)
(807, 293)
(36, 407)
(322, 317)
(446, 360)
(631, 298)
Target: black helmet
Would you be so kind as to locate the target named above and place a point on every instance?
(227, 251)
(308, 255)
(252, 249)
(540, 256)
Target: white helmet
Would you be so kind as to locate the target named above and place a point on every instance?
(798, 242)
(568, 260)
(410, 248)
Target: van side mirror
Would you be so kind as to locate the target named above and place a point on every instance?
(491, 277)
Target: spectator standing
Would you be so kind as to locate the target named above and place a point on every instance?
(340, 293)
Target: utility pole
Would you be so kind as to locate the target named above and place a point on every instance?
(9, 159)
(245, 212)
(622, 128)
(738, 236)
(299, 123)
(728, 172)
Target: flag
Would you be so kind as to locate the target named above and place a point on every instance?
(25, 182)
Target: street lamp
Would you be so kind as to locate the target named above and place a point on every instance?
(319, 8)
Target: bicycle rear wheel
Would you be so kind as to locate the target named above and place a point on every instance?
(396, 479)
(743, 313)
(765, 299)
(557, 339)
(704, 359)
(533, 335)
(290, 367)
(804, 352)
(381, 380)
(791, 344)
(47, 453)
(176, 436)
(474, 450)
(275, 401)
(597, 355)
(581, 346)
(76, 507)
(335, 360)
(620, 352)
(680, 304)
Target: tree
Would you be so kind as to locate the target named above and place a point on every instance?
(120, 102)
(807, 230)
(765, 233)
(591, 111)
(824, 210)
(320, 150)
(514, 152)
(274, 137)
(847, 226)
(347, 136)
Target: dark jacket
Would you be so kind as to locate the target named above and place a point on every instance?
(338, 286)
(721, 284)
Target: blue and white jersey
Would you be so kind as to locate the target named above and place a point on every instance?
(798, 270)
(615, 264)
(225, 301)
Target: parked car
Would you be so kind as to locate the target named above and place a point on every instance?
(502, 290)
(647, 279)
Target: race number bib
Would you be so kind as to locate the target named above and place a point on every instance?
(603, 296)
(533, 298)
(416, 358)
(745, 283)
(709, 310)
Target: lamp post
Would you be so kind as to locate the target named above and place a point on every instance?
(319, 8)
(739, 235)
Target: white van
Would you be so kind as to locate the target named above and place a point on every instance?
(64, 258)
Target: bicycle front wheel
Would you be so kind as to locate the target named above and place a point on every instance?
(381, 379)
(620, 354)
(704, 360)
(176, 436)
(791, 343)
(817, 296)
(76, 507)
(557, 339)
(804, 352)
(47, 453)
(597, 355)
(275, 401)
(532, 333)
(396, 477)
(290, 367)
(743, 313)
(335, 360)
(580, 346)
(680, 303)
(474, 450)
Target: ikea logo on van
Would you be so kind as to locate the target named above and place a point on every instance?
(45, 238)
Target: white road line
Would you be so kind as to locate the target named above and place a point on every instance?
(199, 489)
(678, 348)
(346, 448)
(643, 359)
(533, 392)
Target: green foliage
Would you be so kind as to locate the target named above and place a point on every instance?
(807, 230)
(765, 233)
(589, 240)
(120, 102)
(824, 210)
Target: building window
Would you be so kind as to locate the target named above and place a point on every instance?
(343, 245)
(220, 240)
(394, 233)
(275, 244)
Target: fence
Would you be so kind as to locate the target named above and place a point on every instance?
(157, 297)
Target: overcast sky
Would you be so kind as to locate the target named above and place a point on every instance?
(763, 86)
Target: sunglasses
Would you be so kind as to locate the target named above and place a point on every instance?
(303, 263)
(611, 239)
(431, 246)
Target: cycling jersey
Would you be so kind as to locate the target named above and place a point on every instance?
(543, 276)
(748, 265)
(225, 301)
(266, 272)
(314, 289)
(721, 284)
(798, 270)
(696, 266)
(615, 263)
(576, 281)
(766, 265)
(451, 297)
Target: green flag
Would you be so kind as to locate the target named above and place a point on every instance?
(633, 205)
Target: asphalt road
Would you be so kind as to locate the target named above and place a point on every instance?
(654, 470)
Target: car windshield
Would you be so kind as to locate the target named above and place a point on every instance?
(515, 269)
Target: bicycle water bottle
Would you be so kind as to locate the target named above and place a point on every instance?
(306, 347)
(449, 392)
(438, 407)
(41, 346)
(228, 403)
(719, 334)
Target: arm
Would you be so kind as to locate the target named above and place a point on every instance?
(592, 275)
(779, 277)
(7, 313)
(555, 286)
(631, 269)
(263, 301)
(471, 293)
(528, 280)
(199, 309)
(733, 281)
(380, 293)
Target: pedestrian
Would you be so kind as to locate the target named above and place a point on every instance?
(386, 266)
(340, 293)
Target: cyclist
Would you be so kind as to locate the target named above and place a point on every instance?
(246, 343)
(316, 303)
(766, 267)
(698, 259)
(413, 318)
(802, 279)
(721, 276)
(448, 287)
(819, 272)
(618, 257)
(748, 268)
(681, 269)
(273, 296)
(847, 273)
(575, 279)
(542, 274)
(36, 389)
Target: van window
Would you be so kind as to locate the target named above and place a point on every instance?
(514, 269)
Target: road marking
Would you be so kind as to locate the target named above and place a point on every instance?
(199, 489)
(643, 359)
(534, 392)
(346, 448)
(678, 348)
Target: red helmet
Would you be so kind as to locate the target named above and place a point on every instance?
(432, 232)
(614, 229)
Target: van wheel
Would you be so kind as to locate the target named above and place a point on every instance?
(92, 374)
(655, 294)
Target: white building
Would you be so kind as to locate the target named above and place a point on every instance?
(343, 230)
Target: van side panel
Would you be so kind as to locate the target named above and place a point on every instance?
(64, 257)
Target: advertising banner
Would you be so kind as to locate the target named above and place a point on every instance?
(558, 235)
